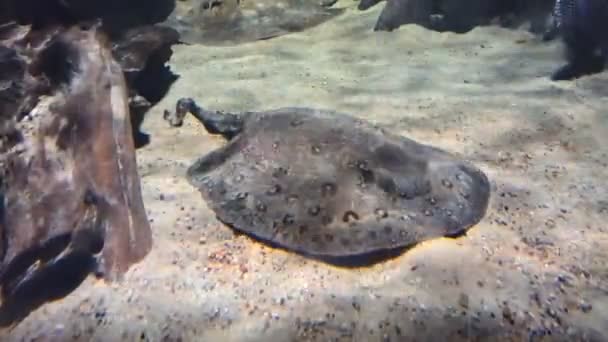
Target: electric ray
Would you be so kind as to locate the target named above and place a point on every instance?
(326, 184)
(229, 22)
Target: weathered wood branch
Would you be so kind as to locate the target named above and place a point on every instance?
(71, 194)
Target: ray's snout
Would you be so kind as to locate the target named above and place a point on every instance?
(183, 107)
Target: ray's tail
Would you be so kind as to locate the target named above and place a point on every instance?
(226, 124)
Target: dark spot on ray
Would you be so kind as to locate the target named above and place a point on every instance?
(350, 216)
(407, 195)
(279, 172)
(260, 206)
(366, 173)
(326, 219)
(345, 242)
(464, 194)
(388, 229)
(242, 195)
(314, 211)
(288, 219)
(315, 238)
(275, 189)
(372, 234)
(302, 229)
(381, 213)
(329, 237)
(328, 189)
(315, 149)
(406, 218)
(447, 183)
(296, 122)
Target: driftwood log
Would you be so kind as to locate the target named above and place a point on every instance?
(70, 193)
(140, 46)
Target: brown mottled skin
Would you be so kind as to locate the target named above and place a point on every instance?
(326, 184)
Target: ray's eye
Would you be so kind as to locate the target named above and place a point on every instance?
(350, 216)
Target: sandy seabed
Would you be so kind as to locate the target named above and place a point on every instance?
(536, 267)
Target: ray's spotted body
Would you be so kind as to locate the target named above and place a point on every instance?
(326, 184)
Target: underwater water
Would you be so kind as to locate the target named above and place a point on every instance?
(532, 263)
